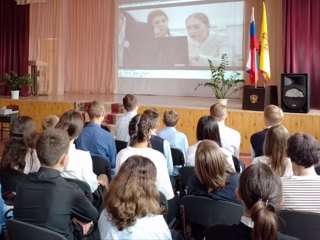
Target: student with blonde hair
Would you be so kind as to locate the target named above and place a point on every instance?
(273, 115)
(176, 138)
(132, 209)
(275, 151)
(230, 138)
(95, 139)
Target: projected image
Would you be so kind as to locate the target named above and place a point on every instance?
(179, 34)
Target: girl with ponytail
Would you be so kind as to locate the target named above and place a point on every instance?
(260, 192)
(140, 133)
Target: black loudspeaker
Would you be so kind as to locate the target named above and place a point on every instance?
(295, 92)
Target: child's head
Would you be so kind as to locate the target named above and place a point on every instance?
(170, 118)
(49, 121)
(130, 102)
(71, 121)
(154, 116)
(219, 112)
(260, 190)
(96, 110)
(52, 146)
(273, 115)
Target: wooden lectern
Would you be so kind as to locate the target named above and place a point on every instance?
(256, 98)
(35, 64)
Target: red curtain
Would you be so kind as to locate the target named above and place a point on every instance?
(301, 20)
(14, 39)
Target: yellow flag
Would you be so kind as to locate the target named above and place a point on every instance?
(264, 46)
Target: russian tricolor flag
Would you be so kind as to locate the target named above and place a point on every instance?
(252, 64)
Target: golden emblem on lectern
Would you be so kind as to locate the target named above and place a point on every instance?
(254, 98)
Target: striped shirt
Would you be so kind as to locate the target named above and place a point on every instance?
(301, 193)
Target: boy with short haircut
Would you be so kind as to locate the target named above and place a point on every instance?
(230, 138)
(46, 199)
(273, 115)
(131, 104)
(176, 138)
(95, 139)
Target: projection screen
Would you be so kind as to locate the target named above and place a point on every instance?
(164, 46)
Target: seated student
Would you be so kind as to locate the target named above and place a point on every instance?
(230, 138)
(207, 128)
(80, 163)
(261, 195)
(19, 156)
(49, 121)
(273, 115)
(96, 140)
(176, 138)
(132, 209)
(131, 104)
(275, 155)
(140, 132)
(45, 198)
(157, 142)
(214, 178)
(302, 190)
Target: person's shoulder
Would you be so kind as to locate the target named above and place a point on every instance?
(124, 152)
(151, 219)
(232, 130)
(260, 159)
(194, 181)
(181, 134)
(259, 134)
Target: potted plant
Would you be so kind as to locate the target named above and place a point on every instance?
(223, 85)
(16, 82)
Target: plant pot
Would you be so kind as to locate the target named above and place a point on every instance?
(15, 94)
(223, 101)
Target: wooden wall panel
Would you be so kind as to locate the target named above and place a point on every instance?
(246, 122)
(38, 110)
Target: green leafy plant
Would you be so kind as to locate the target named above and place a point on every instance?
(223, 86)
(16, 82)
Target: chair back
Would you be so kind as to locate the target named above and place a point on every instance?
(303, 225)
(185, 173)
(83, 186)
(177, 157)
(205, 212)
(164, 203)
(18, 230)
(120, 145)
(101, 165)
(238, 164)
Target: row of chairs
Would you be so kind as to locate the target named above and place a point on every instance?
(203, 212)
(197, 211)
